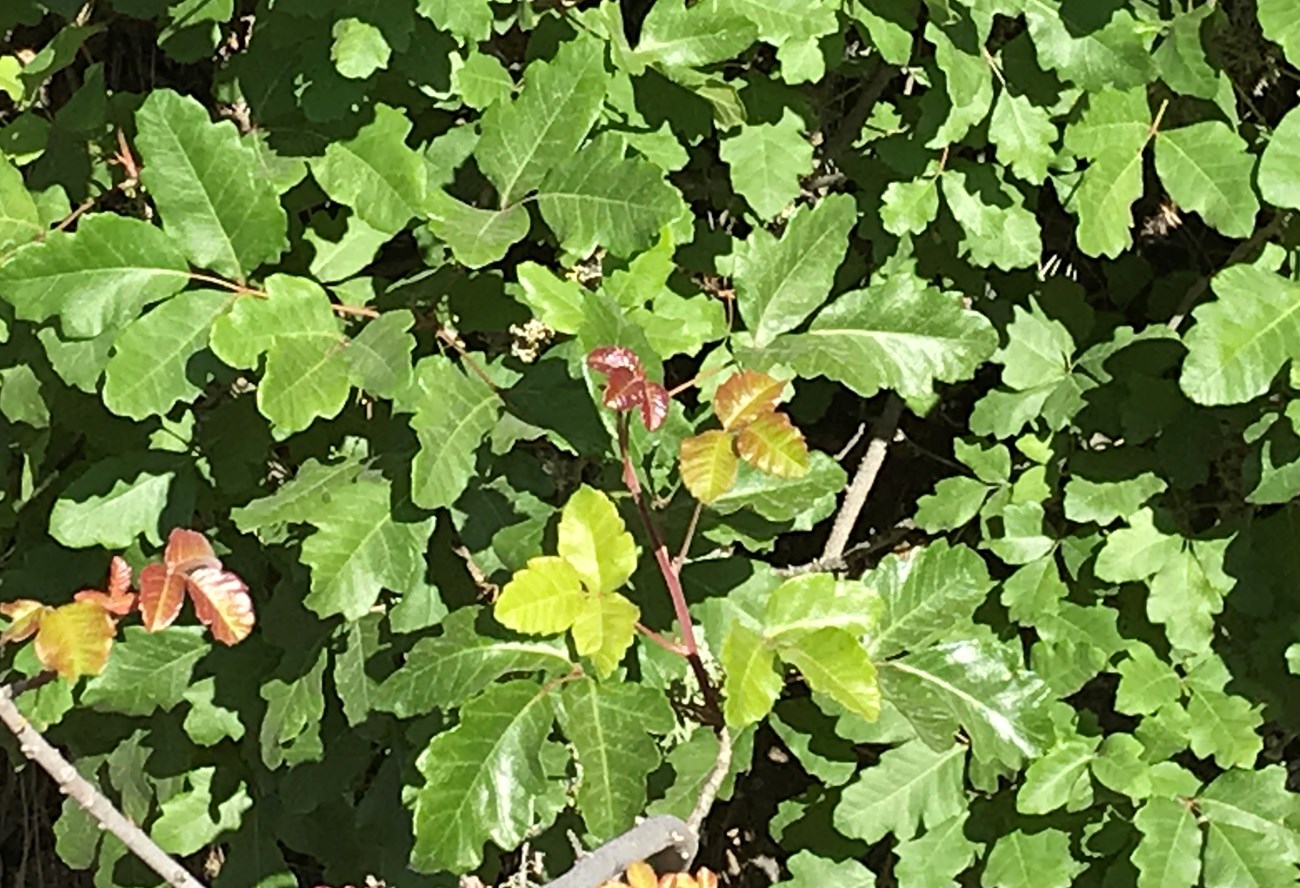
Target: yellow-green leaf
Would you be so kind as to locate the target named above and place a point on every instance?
(595, 542)
(604, 629)
(745, 397)
(774, 446)
(708, 464)
(74, 640)
(542, 599)
(752, 683)
(835, 664)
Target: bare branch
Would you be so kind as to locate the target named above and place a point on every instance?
(856, 497)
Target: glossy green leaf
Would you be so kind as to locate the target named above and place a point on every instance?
(542, 599)
(604, 630)
(595, 542)
(1169, 853)
(767, 161)
(110, 505)
(926, 595)
(1206, 168)
(935, 859)
(752, 683)
(910, 785)
(376, 173)
(1031, 860)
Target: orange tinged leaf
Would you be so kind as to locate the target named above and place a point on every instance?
(641, 875)
(678, 880)
(187, 550)
(774, 446)
(222, 603)
(708, 464)
(74, 640)
(119, 577)
(162, 592)
(118, 599)
(745, 397)
(706, 878)
(24, 619)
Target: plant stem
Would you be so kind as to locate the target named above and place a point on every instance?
(856, 497)
(91, 800)
(672, 579)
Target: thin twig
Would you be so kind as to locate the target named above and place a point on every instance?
(709, 791)
(671, 646)
(232, 286)
(356, 311)
(689, 538)
(91, 800)
(856, 497)
(851, 123)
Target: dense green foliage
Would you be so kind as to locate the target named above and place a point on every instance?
(319, 278)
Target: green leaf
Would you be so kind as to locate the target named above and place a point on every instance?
(359, 48)
(999, 230)
(204, 181)
(557, 302)
(1257, 801)
(104, 508)
(807, 870)
(979, 685)
(897, 334)
(149, 371)
(610, 726)
(780, 282)
(301, 498)
(601, 198)
(290, 732)
(835, 664)
(1279, 25)
(482, 81)
(1059, 779)
(1031, 860)
(785, 499)
(931, 592)
(910, 785)
(935, 859)
(469, 20)
(1120, 766)
(1092, 54)
(1181, 56)
(910, 207)
(1137, 551)
(1206, 168)
(814, 601)
(186, 822)
(444, 672)
(967, 79)
(595, 542)
(483, 778)
(208, 723)
(1104, 502)
(542, 599)
(525, 139)
(356, 688)
(360, 548)
(953, 504)
(1187, 593)
(379, 357)
(1169, 852)
(339, 253)
(375, 173)
(604, 630)
(476, 237)
(751, 683)
(1024, 135)
(1222, 725)
(95, 279)
(1111, 134)
(20, 221)
(1146, 682)
(147, 672)
(453, 413)
(21, 399)
(767, 161)
(1242, 338)
(306, 374)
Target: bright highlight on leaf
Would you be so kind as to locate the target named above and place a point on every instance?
(575, 590)
(752, 429)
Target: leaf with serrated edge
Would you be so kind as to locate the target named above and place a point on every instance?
(910, 785)
(542, 599)
(708, 464)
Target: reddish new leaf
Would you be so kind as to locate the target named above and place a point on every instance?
(187, 550)
(774, 446)
(118, 599)
(708, 464)
(222, 603)
(626, 386)
(162, 592)
(745, 397)
(74, 640)
(24, 619)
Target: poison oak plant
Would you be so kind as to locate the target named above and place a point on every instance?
(518, 374)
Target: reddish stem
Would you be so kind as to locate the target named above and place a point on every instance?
(671, 646)
(669, 571)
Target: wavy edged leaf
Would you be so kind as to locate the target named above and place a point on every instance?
(375, 173)
(610, 727)
(205, 181)
(222, 603)
(751, 683)
(745, 397)
(595, 542)
(476, 237)
(95, 279)
(925, 595)
(708, 464)
(542, 599)
(483, 778)
(912, 784)
(773, 445)
(604, 630)
(75, 639)
(147, 671)
(1031, 860)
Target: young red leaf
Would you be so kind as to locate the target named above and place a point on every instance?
(74, 640)
(626, 386)
(774, 446)
(654, 406)
(745, 397)
(187, 550)
(118, 599)
(162, 592)
(608, 358)
(24, 619)
(708, 464)
(222, 603)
